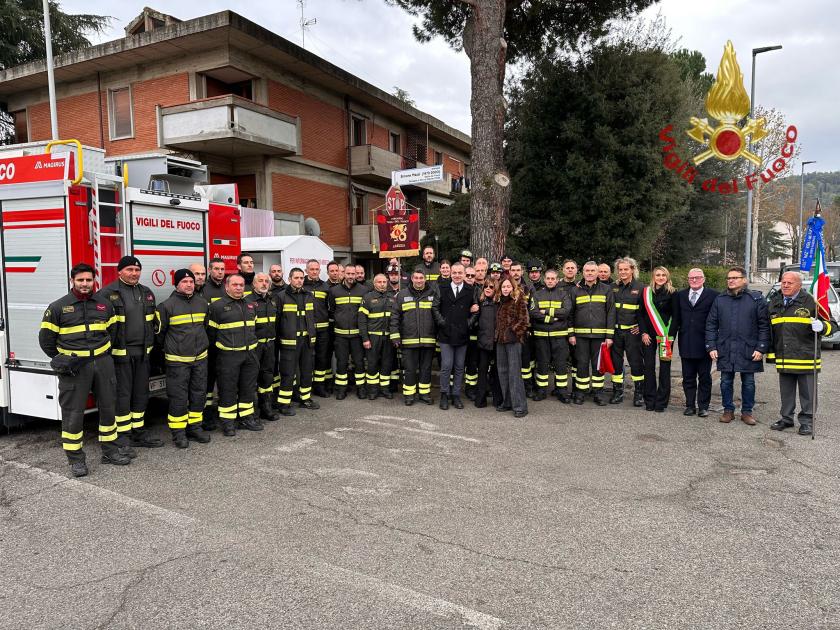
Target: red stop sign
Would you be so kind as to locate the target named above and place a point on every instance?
(395, 201)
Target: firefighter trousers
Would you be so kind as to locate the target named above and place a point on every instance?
(380, 359)
(626, 343)
(266, 360)
(132, 392)
(471, 363)
(236, 375)
(212, 355)
(527, 358)
(345, 347)
(296, 363)
(323, 356)
(186, 385)
(96, 375)
(552, 351)
(417, 370)
(586, 353)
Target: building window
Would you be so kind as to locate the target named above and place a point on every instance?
(21, 129)
(438, 158)
(360, 213)
(359, 131)
(243, 89)
(394, 144)
(120, 113)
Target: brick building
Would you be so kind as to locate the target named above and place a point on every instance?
(296, 133)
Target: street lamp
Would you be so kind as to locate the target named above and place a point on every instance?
(748, 239)
(802, 202)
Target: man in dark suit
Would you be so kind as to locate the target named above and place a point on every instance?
(693, 305)
(457, 303)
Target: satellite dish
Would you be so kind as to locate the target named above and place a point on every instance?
(311, 227)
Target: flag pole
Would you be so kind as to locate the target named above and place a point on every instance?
(814, 415)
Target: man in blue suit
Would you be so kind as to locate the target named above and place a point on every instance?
(693, 305)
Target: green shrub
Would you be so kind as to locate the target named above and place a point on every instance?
(715, 277)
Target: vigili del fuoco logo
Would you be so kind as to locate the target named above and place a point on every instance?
(728, 103)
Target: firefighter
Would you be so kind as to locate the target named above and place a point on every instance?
(413, 330)
(396, 281)
(570, 270)
(374, 325)
(594, 322)
(134, 306)
(466, 258)
(180, 331)
(794, 321)
(296, 336)
(265, 307)
(628, 295)
(212, 290)
(343, 301)
(245, 268)
(431, 270)
(535, 282)
(496, 271)
(275, 272)
(528, 357)
(605, 273)
(322, 374)
(80, 328)
(551, 311)
(506, 262)
(231, 322)
(200, 272)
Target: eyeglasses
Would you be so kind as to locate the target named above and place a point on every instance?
(470, 275)
(728, 278)
(697, 277)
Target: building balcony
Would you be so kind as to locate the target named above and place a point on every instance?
(374, 165)
(229, 126)
(365, 239)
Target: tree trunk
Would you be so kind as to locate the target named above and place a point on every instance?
(490, 198)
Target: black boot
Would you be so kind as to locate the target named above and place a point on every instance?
(385, 392)
(564, 398)
(638, 395)
(578, 399)
(228, 427)
(141, 438)
(211, 418)
(197, 434)
(111, 455)
(266, 412)
(320, 391)
(408, 399)
(373, 392)
(598, 398)
(617, 395)
(250, 423)
(287, 410)
(539, 394)
(425, 398)
(340, 393)
(361, 392)
(309, 404)
(179, 436)
(79, 469)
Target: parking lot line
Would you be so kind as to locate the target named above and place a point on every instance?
(371, 420)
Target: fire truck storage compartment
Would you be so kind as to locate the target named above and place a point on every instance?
(162, 173)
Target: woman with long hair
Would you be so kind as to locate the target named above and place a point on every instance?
(445, 272)
(488, 376)
(511, 328)
(659, 306)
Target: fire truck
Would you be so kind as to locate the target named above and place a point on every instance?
(62, 203)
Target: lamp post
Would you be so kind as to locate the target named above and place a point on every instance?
(749, 237)
(802, 203)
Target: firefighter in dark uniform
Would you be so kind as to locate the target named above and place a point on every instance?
(180, 328)
(322, 374)
(568, 282)
(605, 273)
(551, 312)
(535, 282)
(212, 290)
(231, 323)
(265, 329)
(374, 329)
(594, 322)
(396, 281)
(413, 330)
(431, 269)
(80, 329)
(795, 318)
(134, 306)
(344, 301)
(278, 285)
(275, 272)
(628, 294)
(245, 268)
(296, 338)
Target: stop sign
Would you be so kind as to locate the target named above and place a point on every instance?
(395, 201)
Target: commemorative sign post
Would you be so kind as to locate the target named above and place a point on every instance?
(398, 223)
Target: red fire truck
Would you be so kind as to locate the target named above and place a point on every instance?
(62, 203)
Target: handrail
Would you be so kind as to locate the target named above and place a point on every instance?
(80, 167)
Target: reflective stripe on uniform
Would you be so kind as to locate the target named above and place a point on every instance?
(87, 353)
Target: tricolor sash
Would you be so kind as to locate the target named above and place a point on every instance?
(659, 326)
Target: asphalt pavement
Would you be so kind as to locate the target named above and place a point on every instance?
(377, 515)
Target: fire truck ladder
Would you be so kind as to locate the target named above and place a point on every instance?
(116, 187)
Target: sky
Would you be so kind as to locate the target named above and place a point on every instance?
(373, 40)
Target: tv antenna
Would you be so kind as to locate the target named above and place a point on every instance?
(304, 23)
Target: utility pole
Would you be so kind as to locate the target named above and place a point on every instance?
(50, 71)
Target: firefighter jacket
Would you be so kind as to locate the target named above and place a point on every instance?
(375, 314)
(594, 310)
(318, 289)
(629, 303)
(212, 291)
(266, 312)
(431, 271)
(180, 326)
(295, 316)
(413, 321)
(791, 337)
(344, 303)
(116, 293)
(551, 312)
(231, 324)
(77, 327)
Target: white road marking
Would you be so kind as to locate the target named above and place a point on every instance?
(420, 423)
(343, 472)
(336, 433)
(410, 597)
(111, 496)
(423, 431)
(296, 445)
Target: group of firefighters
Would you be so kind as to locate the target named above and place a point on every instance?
(245, 348)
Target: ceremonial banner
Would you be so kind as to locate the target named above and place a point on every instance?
(813, 259)
(399, 226)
